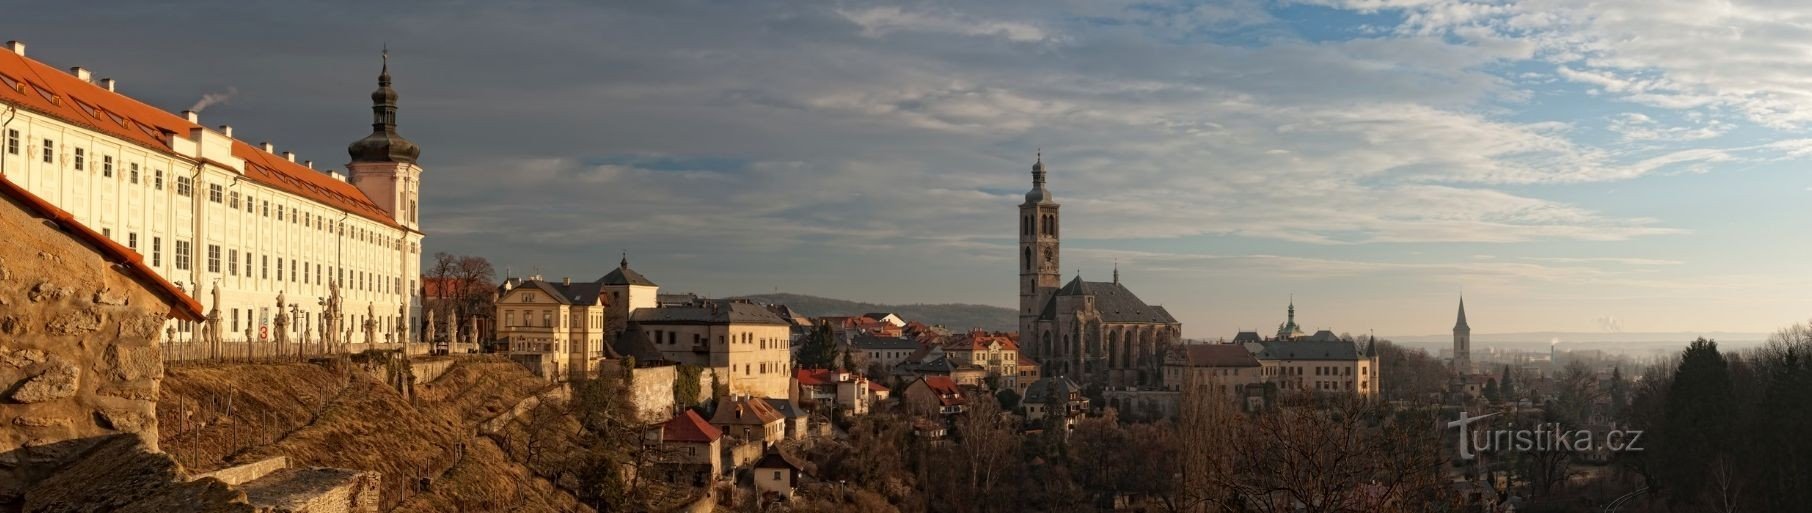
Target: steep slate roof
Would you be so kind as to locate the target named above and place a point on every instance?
(710, 311)
(1114, 301)
(785, 407)
(623, 275)
(689, 427)
(1040, 392)
(581, 293)
(40, 88)
(1307, 350)
(181, 305)
(1247, 336)
(1216, 355)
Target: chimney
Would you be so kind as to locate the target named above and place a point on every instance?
(80, 73)
(226, 130)
(107, 83)
(18, 47)
(268, 147)
(192, 116)
(568, 280)
(309, 164)
(290, 155)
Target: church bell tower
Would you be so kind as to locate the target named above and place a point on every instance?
(383, 163)
(1038, 257)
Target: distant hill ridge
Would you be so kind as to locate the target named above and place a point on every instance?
(955, 316)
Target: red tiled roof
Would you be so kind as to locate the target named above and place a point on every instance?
(1218, 355)
(876, 387)
(38, 87)
(181, 305)
(815, 377)
(689, 427)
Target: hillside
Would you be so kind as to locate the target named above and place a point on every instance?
(331, 415)
(951, 315)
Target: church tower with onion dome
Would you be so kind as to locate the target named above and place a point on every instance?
(384, 163)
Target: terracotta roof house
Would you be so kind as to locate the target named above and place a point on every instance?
(936, 394)
(750, 420)
(690, 449)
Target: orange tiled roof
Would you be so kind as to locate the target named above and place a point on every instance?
(978, 340)
(689, 427)
(815, 377)
(181, 305)
(38, 87)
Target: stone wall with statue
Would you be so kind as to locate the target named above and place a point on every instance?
(79, 333)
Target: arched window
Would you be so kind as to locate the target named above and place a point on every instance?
(1028, 258)
(1025, 225)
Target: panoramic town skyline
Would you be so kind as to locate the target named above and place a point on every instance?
(1374, 161)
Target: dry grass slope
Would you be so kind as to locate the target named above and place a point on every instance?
(332, 415)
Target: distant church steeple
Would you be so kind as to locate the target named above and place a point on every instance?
(1462, 342)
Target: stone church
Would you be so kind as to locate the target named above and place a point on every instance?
(1094, 332)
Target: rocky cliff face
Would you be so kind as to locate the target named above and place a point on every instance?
(78, 348)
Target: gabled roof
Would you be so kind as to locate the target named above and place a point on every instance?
(1215, 355)
(1247, 336)
(41, 88)
(689, 427)
(581, 293)
(181, 305)
(754, 412)
(946, 390)
(780, 460)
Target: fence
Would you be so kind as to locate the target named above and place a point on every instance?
(271, 350)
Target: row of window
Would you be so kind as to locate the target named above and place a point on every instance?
(185, 187)
(547, 318)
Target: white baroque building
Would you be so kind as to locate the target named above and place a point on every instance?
(203, 208)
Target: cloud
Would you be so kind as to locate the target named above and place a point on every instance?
(881, 21)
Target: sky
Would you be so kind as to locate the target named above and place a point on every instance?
(1632, 166)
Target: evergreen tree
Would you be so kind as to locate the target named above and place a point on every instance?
(1696, 426)
(1491, 393)
(820, 348)
(1619, 393)
(1507, 386)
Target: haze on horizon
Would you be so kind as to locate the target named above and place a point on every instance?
(1570, 166)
